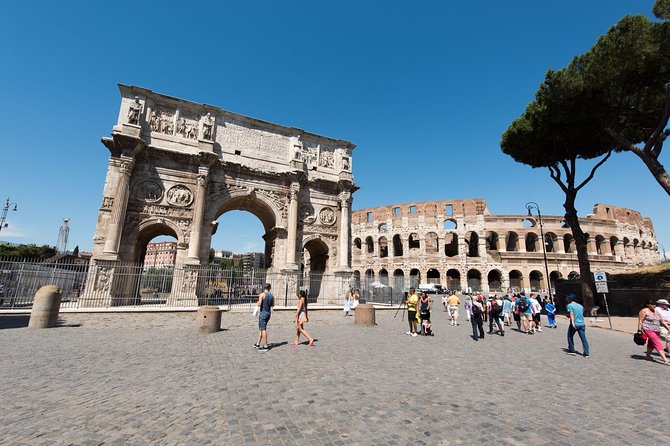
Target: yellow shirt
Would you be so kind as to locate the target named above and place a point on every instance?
(412, 301)
(453, 300)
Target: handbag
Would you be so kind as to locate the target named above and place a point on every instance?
(254, 312)
(640, 338)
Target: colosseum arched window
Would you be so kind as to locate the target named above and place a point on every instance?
(495, 280)
(357, 243)
(528, 222)
(550, 241)
(515, 280)
(357, 280)
(433, 276)
(531, 242)
(512, 241)
(383, 247)
(384, 276)
(432, 244)
(414, 278)
(627, 247)
(573, 275)
(601, 246)
(474, 280)
(383, 227)
(614, 246)
(569, 243)
(450, 224)
(472, 242)
(451, 244)
(398, 284)
(492, 241)
(536, 281)
(453, 279)
(554, 277)
(397, 246)
(369, 244)
(414, 242)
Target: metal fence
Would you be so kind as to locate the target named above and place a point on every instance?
(135, 285)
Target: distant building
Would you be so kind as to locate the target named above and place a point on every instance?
(161, 254)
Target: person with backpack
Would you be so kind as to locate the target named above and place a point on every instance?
(495, 315)
(525, 313)
(476, 319)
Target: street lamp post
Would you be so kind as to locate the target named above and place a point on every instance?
(532, 205)
(5, 209)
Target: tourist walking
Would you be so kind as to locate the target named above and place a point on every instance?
(507, 310)
(536, 309)
(452, 306)
(550, 308)
(649, 322)
(577, 325)
(357, 298)
(476, 320)
(468, 308)
(347, 304)
(301, 318)
(266, 302)
(495, 315)
(424, 314)
(412, 301)
(663, 311)
(525, 314)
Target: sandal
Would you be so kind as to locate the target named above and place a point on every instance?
(294, 344)
(311, 344)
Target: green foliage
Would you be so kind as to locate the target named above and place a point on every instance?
(662, 9)
(26, 251)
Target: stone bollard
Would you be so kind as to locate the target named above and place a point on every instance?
(365, 315)
(46, 306)
(208, 319)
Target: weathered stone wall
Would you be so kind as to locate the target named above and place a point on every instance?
(447, 241)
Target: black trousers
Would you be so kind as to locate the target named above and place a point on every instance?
(477, 323)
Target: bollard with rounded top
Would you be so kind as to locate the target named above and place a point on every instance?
(208, 319)
(46, 306)
(365, 315)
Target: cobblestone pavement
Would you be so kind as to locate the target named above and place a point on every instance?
(150, 379)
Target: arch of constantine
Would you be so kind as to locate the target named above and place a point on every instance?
(176, 166)
(460, 244)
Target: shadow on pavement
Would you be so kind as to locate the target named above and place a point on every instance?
(14, 321)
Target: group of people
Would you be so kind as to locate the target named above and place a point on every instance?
(418, 313)
(266, 303)
(351, 301)
(654, 321)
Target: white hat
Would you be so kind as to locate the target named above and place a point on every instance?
(662, 302)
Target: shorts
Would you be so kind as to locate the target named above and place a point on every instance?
(665, 334)
(537, 318)
(263, 319)
(528, 316)
(453, 312)
(517, 317)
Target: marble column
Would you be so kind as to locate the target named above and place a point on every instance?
(198, 214)
(123, 166)
(291, 240)
(345, 229)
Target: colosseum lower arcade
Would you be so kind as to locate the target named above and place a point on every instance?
(461, 246)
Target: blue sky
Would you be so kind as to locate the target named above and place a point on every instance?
(425, 89)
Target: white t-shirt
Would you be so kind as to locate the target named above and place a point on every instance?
(664, 313)
(535, 305)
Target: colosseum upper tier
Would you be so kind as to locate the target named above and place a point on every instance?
(460, 244)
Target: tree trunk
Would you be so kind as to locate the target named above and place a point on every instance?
(656, 169)
(582, 251)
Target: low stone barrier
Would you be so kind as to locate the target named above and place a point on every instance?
(46, 306)
(208, 319)
(365, 315)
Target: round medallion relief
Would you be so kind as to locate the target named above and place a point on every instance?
(179, 195)
(149, 191)
(327, 216)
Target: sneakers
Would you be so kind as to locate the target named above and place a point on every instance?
(587, 356)
(540, 330)
(262, 349)
(414, 335)
(257, 345)
(572, 353)
(408, 333)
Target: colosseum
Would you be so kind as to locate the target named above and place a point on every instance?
(461, 245)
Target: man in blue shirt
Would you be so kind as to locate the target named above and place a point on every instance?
(526, 313)
(577, 325)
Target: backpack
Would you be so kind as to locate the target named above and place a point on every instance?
(523, 305)
(495, 308)
(476, 311)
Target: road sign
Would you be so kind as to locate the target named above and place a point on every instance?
(600, 276)
(601, 287)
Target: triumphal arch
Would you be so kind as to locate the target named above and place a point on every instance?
(176, 166)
